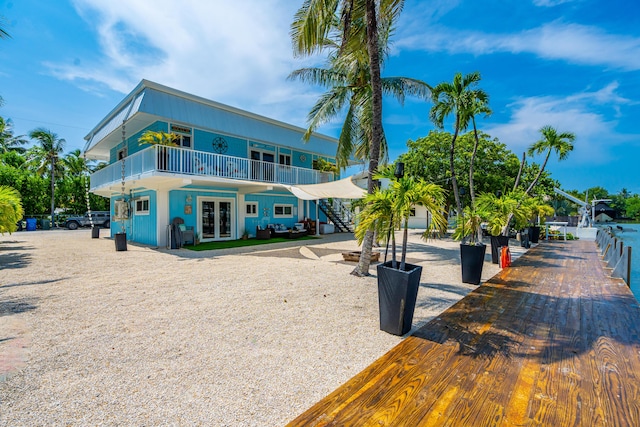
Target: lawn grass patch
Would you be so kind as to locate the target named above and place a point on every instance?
(228, 244)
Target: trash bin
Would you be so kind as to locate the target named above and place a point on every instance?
(121, 241)
(46, 224)
(95, 232)
(31, 224)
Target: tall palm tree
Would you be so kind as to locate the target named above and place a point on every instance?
(8, 142)
(349, 88)
(45, 158)
(561, 143)
(357, 22)
(75, 164)
(454, 98)
(479, 105)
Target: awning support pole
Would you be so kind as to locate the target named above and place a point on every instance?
(317, 219)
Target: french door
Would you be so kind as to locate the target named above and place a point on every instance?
(216, 219)
(262, 166)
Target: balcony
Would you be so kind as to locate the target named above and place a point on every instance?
(182, 162)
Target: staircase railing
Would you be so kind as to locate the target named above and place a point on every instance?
(339, 214)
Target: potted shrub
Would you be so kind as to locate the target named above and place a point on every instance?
(497, 211)
(384, 211)
(538, 211)
(472, 250)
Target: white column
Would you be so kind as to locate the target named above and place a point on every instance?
(162, 217)
(242, 212)
(300, 215)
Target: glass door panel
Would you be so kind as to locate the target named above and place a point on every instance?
(217, 220)
(268, 167)
(208, 220)
(262, 166)
(225, 219)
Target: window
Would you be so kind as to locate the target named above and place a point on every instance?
(412, 212)
(251, 209)
(122, 153)
(285, 159)
(184, 135)
(142, 206)
(282, 211)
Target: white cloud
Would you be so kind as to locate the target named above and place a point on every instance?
(569, 42)
(578, 113)
(550, 3)
(234, 52)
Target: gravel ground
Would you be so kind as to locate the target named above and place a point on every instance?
(249, 337)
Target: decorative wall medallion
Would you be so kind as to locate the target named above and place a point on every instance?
(219, 145)
(303, 158)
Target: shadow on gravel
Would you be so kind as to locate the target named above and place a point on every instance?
(12, 255)
(40, 282)
(16, 306)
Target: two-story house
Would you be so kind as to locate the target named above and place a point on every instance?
(231, 171)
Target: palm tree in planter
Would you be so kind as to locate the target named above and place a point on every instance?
(498, 212)
(538, 210)
(471, 251)
(387, 209)
(163, 139)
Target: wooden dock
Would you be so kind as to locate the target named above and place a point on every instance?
(551, 341)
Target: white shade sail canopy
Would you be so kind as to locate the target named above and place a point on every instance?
(341, 189)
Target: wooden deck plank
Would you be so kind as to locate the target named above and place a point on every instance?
(548, 342)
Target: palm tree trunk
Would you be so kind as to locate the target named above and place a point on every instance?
(535, 181)
(362, 269)
(53, 190)
(394, 262)
(472, 192)
(524, 156)
(454, 181)
(405, 235)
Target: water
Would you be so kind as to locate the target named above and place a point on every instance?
(633, 239)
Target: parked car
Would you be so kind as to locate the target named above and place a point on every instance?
(100, 218)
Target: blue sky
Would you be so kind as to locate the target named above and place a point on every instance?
(571, 64)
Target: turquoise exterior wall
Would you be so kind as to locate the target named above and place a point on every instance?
(203, 141)
(143, 227)
(139, 228)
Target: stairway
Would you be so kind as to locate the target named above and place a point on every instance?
(338, 214)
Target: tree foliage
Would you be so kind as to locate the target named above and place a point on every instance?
(10, 209)
(29, 173)
(495, 166)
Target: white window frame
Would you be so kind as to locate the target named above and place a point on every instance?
(182, 135)
(284, 207)
(142, 211)
(284, 159)
(254, 213)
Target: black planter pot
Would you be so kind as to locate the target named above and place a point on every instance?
(121, 241)
(472, 261)
(397, 293)
(496, 243)
(95, 232)
(534, 234)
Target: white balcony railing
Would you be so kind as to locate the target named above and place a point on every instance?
(182, 161)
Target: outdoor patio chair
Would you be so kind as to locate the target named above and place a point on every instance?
(180, 233)
(263, 234)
